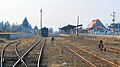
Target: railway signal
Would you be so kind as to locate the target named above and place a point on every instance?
(113, 19)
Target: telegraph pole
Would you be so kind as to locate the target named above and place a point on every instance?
(77, 24)
(40, 20)
(113, 19)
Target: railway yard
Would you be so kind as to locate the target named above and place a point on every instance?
(65, 51)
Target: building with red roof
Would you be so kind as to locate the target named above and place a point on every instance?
(95, 26)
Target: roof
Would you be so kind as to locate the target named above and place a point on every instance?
(12, 33)
(68, 27)
(92, 23)
(96, 25)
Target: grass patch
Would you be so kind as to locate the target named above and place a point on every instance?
(2, 40)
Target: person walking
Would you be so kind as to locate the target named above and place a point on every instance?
(52, 39)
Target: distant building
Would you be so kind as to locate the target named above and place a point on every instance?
(115, 27)
(96, 26)
(69, 29)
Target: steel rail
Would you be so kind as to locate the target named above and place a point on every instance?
(40, 53)
(2, 53)
(16, 51)
(113, 51)
(114, 48)
(104, 60)
(82, 58)
(26, 53)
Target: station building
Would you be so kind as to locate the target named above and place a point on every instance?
(115, 27)
(96, 26)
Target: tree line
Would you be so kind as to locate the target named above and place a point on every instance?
(24, 27)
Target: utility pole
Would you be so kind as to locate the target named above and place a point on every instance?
(77, 24)
(113, 19)
(40, 20)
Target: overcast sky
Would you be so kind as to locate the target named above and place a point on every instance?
(58, 13)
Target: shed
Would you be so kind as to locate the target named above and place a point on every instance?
(69, 29)
(13, 35)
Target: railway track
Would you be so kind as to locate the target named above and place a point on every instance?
(16, 51)
(113, 49)
(40, 54)
(8, 55)
(56, 56)
(89, 58)
(77, 60)
(112, 53)
(12, 57)
(32, 57)
(78, 56)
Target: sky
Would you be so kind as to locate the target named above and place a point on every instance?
(58, 13)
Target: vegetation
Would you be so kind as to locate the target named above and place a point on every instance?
(24, 27)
